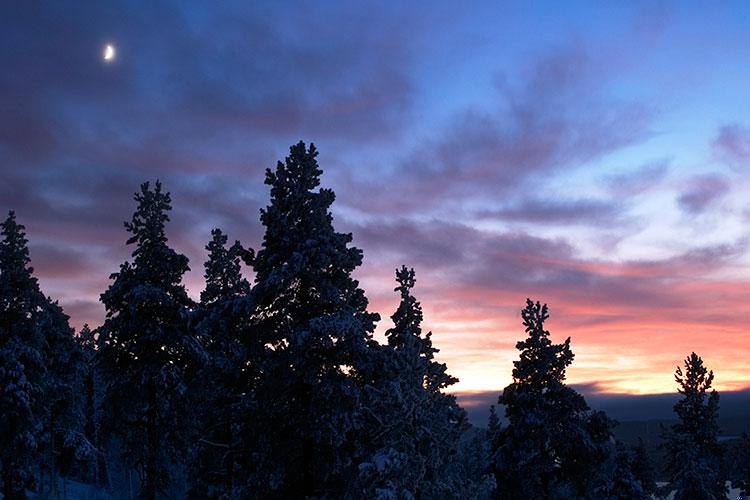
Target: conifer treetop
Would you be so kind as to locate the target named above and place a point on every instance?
(15, 270)
(541, 363)
(223, 272)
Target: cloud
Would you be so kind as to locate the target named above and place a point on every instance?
(644, 178)
(703, 192)
(557, 211)
(554, 117)
(732, 145)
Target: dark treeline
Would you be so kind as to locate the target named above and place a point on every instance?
(277, 389)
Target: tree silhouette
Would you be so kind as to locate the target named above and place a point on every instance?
(693, 453)
(553, 445)
(148, 354)
(22, 369)
(312, 319)
(223, 314)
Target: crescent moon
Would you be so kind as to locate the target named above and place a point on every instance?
(109, 52)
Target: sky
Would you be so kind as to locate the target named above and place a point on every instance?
(593, 156)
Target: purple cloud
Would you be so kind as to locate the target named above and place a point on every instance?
(703, 192)
(732, 145)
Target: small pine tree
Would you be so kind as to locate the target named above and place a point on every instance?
(220, 319)
(22, 364)
(147, 352)
(693, 452)
(419, 430)
(67, 451)
(553, 445)
(91, 404)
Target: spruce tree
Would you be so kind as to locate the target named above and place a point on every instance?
(312, 323)
(418, 428)
(91, 403)
(553, 445)
(693, 452)
(22, 364)
(221, 317)
(67, 451)
(147, 353)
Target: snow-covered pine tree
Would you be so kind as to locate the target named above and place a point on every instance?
(418, 428)
(312, 318)
(66, 449)
(221, 317)
(22, 366)
(91, 398)
(618, 479)
(553, 445)
(693, 452)
(147, 352)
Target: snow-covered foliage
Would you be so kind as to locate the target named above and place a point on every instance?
(554, 445)
(147, 352)
(302, 417)
(694, 456)
(416, 430)
(221, 317)
(22, 367)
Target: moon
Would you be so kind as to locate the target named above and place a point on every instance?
(109, 52)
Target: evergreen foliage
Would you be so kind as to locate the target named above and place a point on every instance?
(312, 321)
(222, 316)
(22, 368)
(694, 455)
(147, 353)
(420, 447)
(553, 445)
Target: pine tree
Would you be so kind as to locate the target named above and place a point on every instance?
(619, 479)
(418, 427)
(147, 353)
(22, 364)
(67, 451)
(493, 424)
(553, 445)
(221, 318)
(693, 453)
(302, 417)
(91, 404)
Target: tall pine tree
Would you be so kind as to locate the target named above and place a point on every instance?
(311, 318)
(223, 314)
(22, 364)
(91, 384)
(417, 427)
(148, 354)
(553, 445)
(693, 453)
(67, 450)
